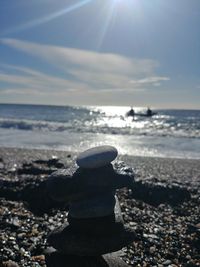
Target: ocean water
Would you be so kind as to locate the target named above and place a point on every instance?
(169, 133)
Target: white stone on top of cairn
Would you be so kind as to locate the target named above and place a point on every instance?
(96, 157)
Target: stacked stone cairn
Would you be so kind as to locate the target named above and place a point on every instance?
(95, 228)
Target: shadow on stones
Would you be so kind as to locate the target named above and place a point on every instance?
(30, 187)
(158, 193)
(32, 192)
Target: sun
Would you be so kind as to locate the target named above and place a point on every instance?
(122, 3)
(118, 1)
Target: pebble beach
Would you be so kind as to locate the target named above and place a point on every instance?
(167, 229)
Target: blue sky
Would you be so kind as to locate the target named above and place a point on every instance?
(100, 52)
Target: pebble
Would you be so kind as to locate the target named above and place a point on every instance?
(96, 157)
(152, 249)
(167, 263)
(10, 264)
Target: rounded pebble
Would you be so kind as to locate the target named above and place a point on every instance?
(96, 157)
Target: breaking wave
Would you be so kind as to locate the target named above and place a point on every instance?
(106, 126)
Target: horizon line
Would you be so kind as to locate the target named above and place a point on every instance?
(92, 105)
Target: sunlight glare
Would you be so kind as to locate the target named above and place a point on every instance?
(49, 17)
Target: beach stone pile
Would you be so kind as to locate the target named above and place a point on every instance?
(94, 228)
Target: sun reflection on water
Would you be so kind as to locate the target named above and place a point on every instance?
(115, 116)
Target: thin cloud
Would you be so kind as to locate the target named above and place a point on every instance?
(84, 71)
(154, 80)
(29, 78)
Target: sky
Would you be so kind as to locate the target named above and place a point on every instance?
(100, 52)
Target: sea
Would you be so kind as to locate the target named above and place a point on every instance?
(173, 133)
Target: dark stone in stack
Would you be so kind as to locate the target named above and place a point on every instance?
(56, 259)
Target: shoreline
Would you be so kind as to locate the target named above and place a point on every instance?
(174, 169)
(49, 151)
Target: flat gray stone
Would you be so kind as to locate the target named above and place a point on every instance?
(67, 241)
(96, 157)
(56, 259)
(75, 184)
(97, 206)
(110, 224)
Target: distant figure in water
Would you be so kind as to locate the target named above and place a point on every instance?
(131, 112)
(149, 112)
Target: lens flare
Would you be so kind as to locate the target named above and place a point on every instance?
(47, 18)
